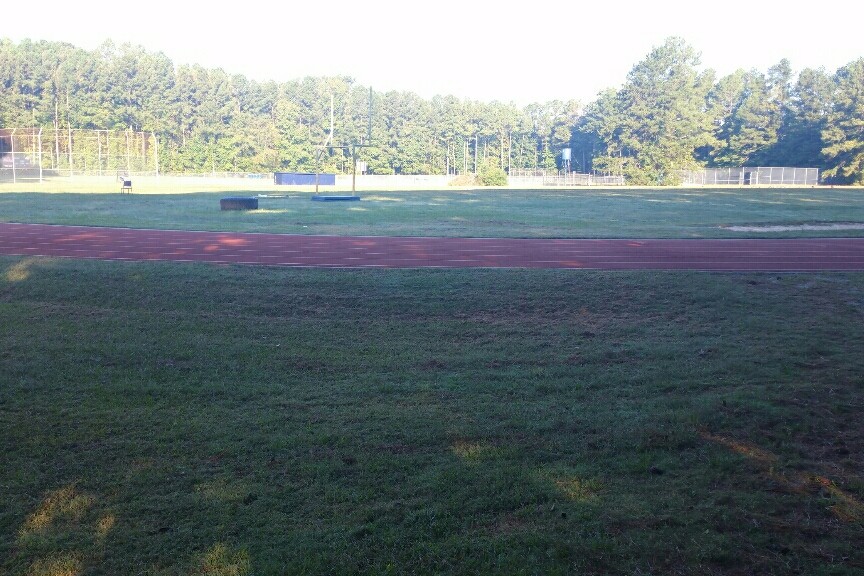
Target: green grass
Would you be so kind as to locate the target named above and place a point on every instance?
(160, 418)
(586, 213)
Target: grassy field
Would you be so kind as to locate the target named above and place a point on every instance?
(169, 419)
(166, 419)
(584, 213)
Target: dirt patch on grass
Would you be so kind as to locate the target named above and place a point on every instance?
(844, 505)
(507, 524)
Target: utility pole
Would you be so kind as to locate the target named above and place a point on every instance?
(69, 126)
(509, 150)
(475, 154)
(40, 154)
(354, 168)
(12, 148)
(465, 157)
(369, 128)
(324, 147)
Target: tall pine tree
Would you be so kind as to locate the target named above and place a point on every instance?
(844, 134)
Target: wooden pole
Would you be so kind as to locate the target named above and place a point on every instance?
(12, 144)
(70, 150)
(369, 128)
(69, 126)
(40, 155)
(354, 170)
(317, 169)
(156, 152)
(55, 158)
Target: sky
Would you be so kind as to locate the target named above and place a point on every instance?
(468, 48)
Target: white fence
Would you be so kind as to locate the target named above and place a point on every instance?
(751, 176)
(264, 181)
(394, 181)
(574, 179)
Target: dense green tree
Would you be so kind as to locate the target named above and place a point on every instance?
(658, 119)
(800, 142)
(844, 133)
(723, 101)
(490, 174)
(407, 120)
(551, 126)
(595, 130)
(293, 149)
(750, 112)
(669, 115)
(774, 114)
(449, 125)
(752, 124)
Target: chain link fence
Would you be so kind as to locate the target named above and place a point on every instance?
(527, 178)
(36, 153)
(755, 176)
(574, 179)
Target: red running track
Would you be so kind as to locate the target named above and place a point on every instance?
(799, 254)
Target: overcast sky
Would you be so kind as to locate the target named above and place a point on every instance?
(468, 48)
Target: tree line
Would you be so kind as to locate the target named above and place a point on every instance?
(669, 115)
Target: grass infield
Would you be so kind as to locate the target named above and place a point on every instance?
(162, 418)
(547, 213)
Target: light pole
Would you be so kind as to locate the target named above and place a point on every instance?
(446, 156)
(465, 157)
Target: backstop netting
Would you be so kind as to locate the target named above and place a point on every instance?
(766, 176)
(33, 153)
(576, 179)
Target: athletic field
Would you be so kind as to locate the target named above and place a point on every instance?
(163, 417)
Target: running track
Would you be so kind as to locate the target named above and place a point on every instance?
(399, 252)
